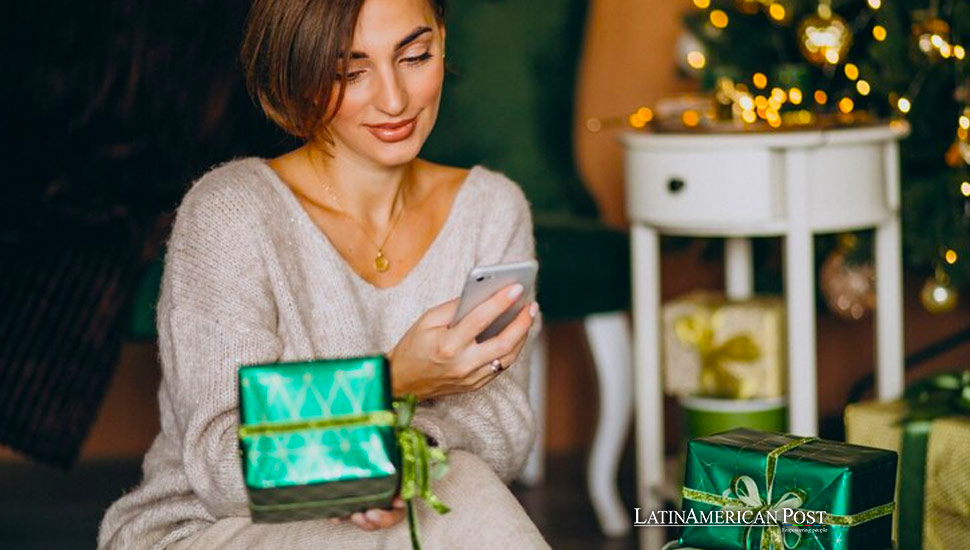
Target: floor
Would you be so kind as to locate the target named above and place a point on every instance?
(42, 508)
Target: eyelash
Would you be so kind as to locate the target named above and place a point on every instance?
(413, 61)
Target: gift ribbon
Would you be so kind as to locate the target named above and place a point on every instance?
(747, 497)
(420, 463)
(940, 395)
(697, 330)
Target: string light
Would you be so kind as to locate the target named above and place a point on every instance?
(645, 113)
(747, 104)
(965, 189)
(777, 11)
(904, 105)
(851, 71)
(965, 122)
(832, 56)
(846, 105)
(636, 121)
(778, 95)
(749, 116)
(950, 256)
(863, 87)
(696, 60)
(821, 97)
(702, 4)
(875, 4)
(795, 96)
(959, 52)
(759, 80)
(761, 102)
(719, 19)
(879, 33)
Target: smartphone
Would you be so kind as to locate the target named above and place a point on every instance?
(484, 281)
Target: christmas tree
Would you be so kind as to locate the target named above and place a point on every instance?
(819, 63)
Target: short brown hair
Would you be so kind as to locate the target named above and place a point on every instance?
(290, 54)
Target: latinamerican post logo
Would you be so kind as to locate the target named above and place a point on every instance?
(787, 518)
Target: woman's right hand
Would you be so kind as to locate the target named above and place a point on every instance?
(433, 360)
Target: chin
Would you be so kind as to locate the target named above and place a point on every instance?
(396, 154)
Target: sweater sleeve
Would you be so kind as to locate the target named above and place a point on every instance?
(216, 312)
(496, 422)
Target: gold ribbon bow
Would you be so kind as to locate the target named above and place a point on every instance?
(698, 330)
(420, 463)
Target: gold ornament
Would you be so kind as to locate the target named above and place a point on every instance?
(937, 296)
(849, 289)
(824, 40)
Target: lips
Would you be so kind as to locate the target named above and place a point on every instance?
(393, 131)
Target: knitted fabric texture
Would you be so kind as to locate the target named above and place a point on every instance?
(249, 278)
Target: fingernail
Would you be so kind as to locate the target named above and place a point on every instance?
(374, 515)
(515, 291)
(534, 309)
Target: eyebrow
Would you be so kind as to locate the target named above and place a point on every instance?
(411, 37)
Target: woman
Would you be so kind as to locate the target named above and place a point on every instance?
(347, 245)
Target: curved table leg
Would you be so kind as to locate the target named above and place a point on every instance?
(609, 341)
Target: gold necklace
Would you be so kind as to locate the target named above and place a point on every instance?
(381, 263)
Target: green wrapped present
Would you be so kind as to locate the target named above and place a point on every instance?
(325, 438)
(771, 491)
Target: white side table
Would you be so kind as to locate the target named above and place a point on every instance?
(787, 184)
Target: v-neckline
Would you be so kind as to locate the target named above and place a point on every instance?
(320, 236)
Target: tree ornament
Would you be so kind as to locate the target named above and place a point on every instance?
(824, 37)
(849, 289)
(691, 54)
(932, 35)
(937, 296)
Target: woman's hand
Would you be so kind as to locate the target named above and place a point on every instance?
(433, 360)
(377, 518)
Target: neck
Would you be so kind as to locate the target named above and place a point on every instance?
(364, 190)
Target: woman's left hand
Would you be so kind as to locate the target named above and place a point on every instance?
(377, 518)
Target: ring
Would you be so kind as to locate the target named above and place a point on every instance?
(496, 366)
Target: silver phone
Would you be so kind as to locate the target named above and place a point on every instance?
(484, 281)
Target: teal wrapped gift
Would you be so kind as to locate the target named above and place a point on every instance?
(788, 492)
(325, 438)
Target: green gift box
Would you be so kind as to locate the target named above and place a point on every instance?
(325, 438)
(787, 492)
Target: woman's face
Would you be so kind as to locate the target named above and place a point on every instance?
(393, 83)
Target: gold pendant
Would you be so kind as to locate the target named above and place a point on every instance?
(381, 262)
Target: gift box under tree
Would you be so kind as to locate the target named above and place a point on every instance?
(325, 439)
(715, 347)
(848, 488)
(930, 429)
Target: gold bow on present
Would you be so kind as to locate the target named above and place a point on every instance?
(698, 330)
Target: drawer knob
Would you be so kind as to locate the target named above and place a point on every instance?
(675, 185)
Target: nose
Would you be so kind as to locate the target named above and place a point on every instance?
(392, 96)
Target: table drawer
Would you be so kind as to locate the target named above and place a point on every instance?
(698, 189)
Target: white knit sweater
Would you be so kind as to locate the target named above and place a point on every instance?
(250, 278)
